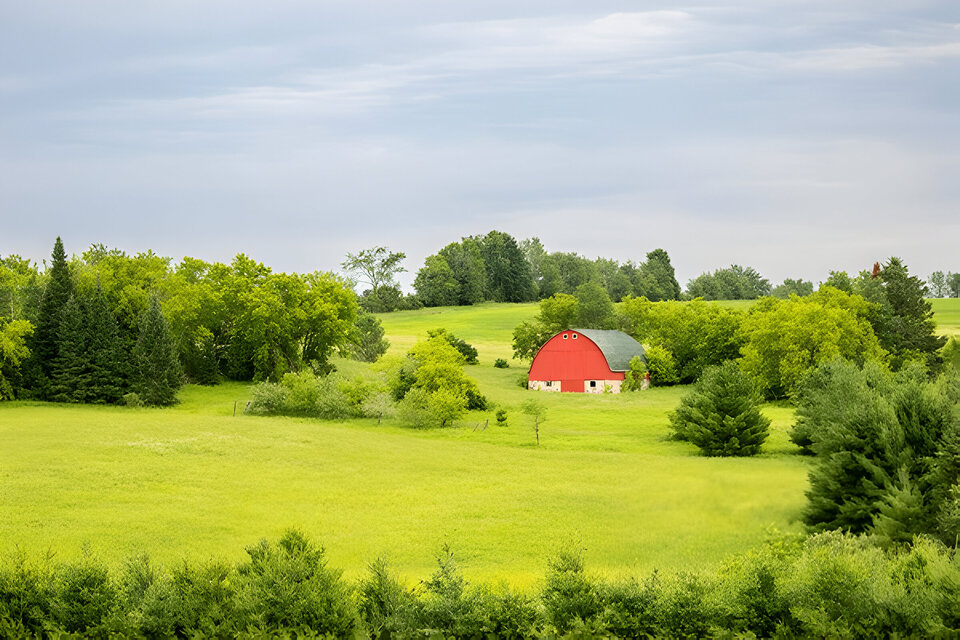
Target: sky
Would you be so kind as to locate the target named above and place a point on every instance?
(795, 137)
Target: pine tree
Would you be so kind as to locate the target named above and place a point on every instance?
(71, 370)
(46, 338)
(157, 374)
(722, 414)
(108, 361)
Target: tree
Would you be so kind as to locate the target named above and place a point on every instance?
(465, 260)
(696, 334)
(369, 343)
(466, 350)
(722, 415)
(594, 308)
(905, 325)
(156, 370)
(536, 410)
(953, 284)
(508, 273)
(732, 283)
(657, 280)
(14, 349)
(783, 339)
(377, 267)
(938, 285)
(792, 287)
(46, 337)
(435, 283)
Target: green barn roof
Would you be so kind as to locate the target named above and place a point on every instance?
(618, 348)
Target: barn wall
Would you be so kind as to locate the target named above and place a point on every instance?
(571, 359)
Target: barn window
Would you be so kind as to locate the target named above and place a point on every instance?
(549, 383)
(593, 384)
(564, 336)
(574, 336)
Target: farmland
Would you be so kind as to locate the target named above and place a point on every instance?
(196, 481)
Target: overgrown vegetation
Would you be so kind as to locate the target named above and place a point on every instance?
(829, 585)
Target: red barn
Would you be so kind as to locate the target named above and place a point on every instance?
(583, 360)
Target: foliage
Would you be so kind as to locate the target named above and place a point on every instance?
(435, 283)
(696, 334)
(377, 267)
(656, 278)
(944, 285)
(634, 377)
(783, 339)
(887, 450)
(791, 287)
(828, 585)
(508, 273)
(369, 343)
(732, 283)
(501, 363)
(594, 307)
(501, 416)
(156, 370)
(721, 415)
(306, 394)
(422, 409)
(288, 585)
(468, 352)
(45, 345)
(14, 349)
(661, 366)
(91, 364)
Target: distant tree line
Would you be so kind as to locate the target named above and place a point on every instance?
(944, 285)
(104, 325)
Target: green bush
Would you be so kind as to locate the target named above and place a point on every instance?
(288, 585)
(661, 365)
(501, 418)
(85, 597)
(305, 394)
(501, 363)
(569, 595)
(722, 414)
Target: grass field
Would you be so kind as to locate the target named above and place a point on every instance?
(194, 481)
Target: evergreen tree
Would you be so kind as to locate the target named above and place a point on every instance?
(71, 377)
(105, 351)
(722, 414)
(157, 374)
(46, 338)
(659, 278)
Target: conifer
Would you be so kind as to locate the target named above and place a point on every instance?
(70, 379)
(108, 361)
(157, 374)
(46, 338)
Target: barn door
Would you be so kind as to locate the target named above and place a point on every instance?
(571, 386)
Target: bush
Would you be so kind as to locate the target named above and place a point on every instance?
(569, 596)
(288, 585)
(660, 364)
(85, 597)
(132, 399)
(501, 418)
(305, 394)
(468, 352)
(501, 363)
(721, 415)
(438, 409)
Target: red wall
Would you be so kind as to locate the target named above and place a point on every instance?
(571, 360)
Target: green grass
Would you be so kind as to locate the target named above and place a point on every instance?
(946, 313)
(196, 481)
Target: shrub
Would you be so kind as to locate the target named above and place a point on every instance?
(660, 364)
(523, 381)
(386, 607)
(633, 379)
(501, 363)
(85, 597)
(27, 593)
(722, 415)
(438, 409)
(288, 585)
(132, 399)
(501, 418)
(305, 394)
(568, 594)
(468, 352)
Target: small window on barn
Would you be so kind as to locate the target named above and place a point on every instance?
(574, 336)
(593, 384)
(564, 336)
(549, 383)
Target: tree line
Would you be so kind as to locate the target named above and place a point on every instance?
(104, 325)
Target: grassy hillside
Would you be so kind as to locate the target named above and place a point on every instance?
(947, 314)
(194, 480)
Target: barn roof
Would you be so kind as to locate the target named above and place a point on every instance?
(618, 348)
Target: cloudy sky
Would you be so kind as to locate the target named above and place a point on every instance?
(792, 136)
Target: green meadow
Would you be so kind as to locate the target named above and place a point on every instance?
(197, 481)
